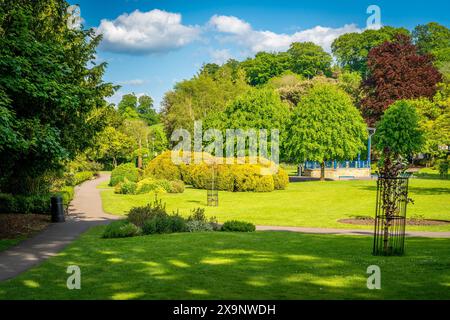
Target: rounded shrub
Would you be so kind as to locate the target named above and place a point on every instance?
(162, 167)
(176, 186)
(199, 226)
(139, 215)
(124, 171)
(238, 226)
(164, 224)
(146, 185)
(126, 187)
(264, 184)
(280, 179)
(248, 178)
(121, 229)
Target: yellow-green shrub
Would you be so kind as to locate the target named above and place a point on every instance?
(280, 179)
(162, 167)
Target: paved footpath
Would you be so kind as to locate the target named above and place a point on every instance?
(86, 211)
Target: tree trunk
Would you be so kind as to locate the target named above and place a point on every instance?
(322, 171)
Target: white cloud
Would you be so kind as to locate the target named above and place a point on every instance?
(133, 82)
(242, 33)
(220, 56)
(146, 32)
(230, 24)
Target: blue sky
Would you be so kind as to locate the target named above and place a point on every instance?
(167, 41)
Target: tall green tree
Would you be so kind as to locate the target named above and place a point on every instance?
(127, 106)
(309, 60)
(433, 38)
(51, 90)
(146, 111)
(351, 49)
(398, 136)
(265, 66)
(195, 99)
(132, 107)
(325, 126)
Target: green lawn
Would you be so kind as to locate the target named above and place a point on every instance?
(306, 204)
(261, 265)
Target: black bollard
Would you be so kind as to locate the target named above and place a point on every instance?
(57, 210)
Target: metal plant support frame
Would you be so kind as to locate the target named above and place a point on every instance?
(212, 191)
(390, 218)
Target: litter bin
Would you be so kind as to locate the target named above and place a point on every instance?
(57, 210)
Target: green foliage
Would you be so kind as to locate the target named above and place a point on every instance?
(80, 177)
(201, 96)
(280, 180)
(434, 39)
(351, 49)
(176, 186)
(126, 187)
(138, 215)
(293, 93)
(121, 229)
(23, 204)
(150, 184)
(198, 222)
(111, 146)
(229, 177)
(52, 92)
(433, 124)
(132, 107)
(398, 131)
(443, 165)
(238, 226)
(127, 106)
(67, 193)
(326, 125)
(199, 226)
(124, 171)
(164, 224)
(309, 60)
(257, 109)
(265, 66)
(249, 178)
(157, 140)
(162, 167)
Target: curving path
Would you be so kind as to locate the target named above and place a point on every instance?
(85, 212)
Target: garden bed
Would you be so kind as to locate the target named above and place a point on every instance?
(14, 226)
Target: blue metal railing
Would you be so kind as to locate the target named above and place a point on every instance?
(337, 164)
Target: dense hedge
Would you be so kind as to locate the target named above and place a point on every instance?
(238, 226)
(162, 167)
(38, 204)
(229, 177)
(127, 171)
(149, 185)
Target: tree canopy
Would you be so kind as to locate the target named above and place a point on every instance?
(195, 99)
(309, 60)
(352, 49)
(325, 126)
(397, 71)
(398, 136)
(132, 107)
(51, 91)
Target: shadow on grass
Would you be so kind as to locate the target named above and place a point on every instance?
(416, 190)
(262, 265)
